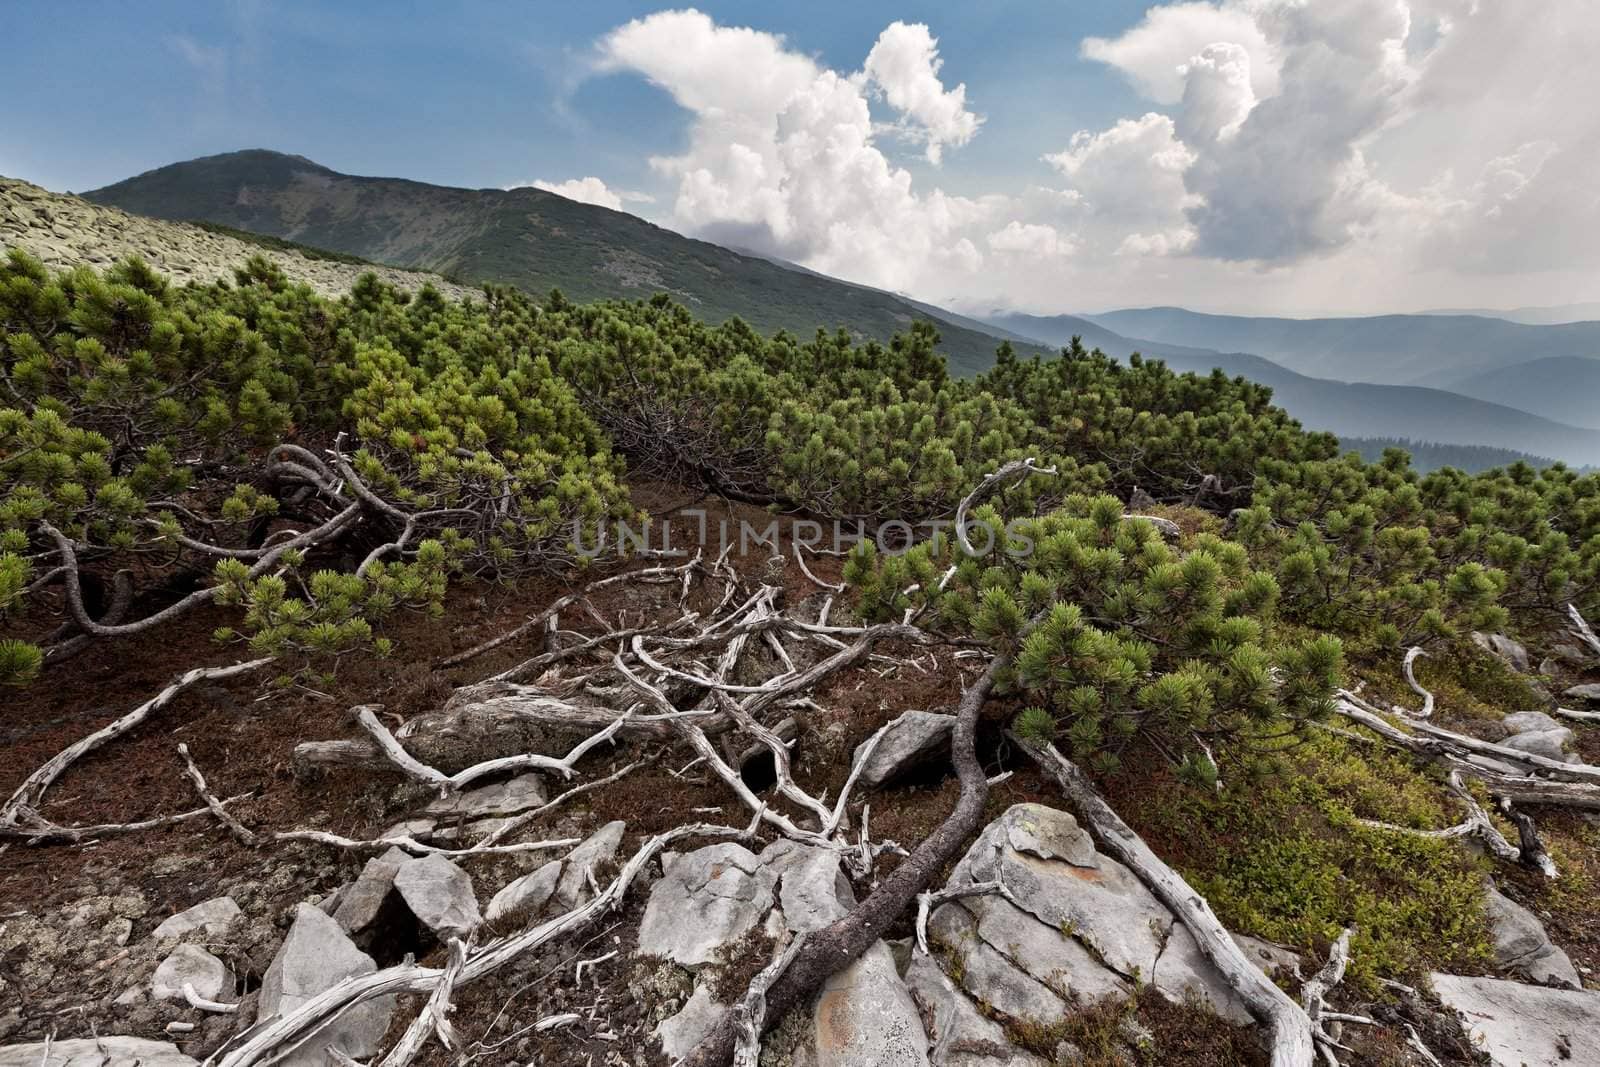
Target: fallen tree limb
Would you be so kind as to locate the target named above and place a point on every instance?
(1408, 668)
(235, 827)
(411, 844)
(31, 792)
(1288, 1024)
(1580, 627)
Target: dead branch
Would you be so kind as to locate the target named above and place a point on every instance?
(990, 483)
(197, 1001)
(1580, 627)
(931, 899)
(1407, 666)
(31, 792)
(434, 1017)
(411, 844)
(1313, 996)
(1289, 1025)
(527, 817)
(752, 1008)
(235, 827)
(37, 830)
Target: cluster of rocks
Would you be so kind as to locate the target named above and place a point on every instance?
(65, 232)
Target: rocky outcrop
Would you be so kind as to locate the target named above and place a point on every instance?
(1588, 694)
(1082, 927)
(1514, 655)
(1525, 1025)
(95, 1052)
(360, 902)
(525, 895)
(597, 850)
(65, 231)
(707, 900)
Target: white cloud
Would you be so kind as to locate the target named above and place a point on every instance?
(1030, 239)
(905, 64)
(1154, 53)
(782, 154)
(589, 190)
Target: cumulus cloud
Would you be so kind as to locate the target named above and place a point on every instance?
(1030, 239)
(905, 64)
(783, 155)
(1154, 53)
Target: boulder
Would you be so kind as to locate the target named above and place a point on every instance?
(316, 955)
(989, 975)
(912, 740)
(1522, 947)
(961, 1035)
(526, 894)
(865, 1017)
(192, 964)
(440, 894)
(361, 900)
(1551, 744)
(1589, 694)
(1521, 722)
(96, 1052)
(683, 1031)
(599, 848)
(1504, 647)
(214, 916)
(1522, 1025)
(706, 900)
(1082, 924)
(511, 797)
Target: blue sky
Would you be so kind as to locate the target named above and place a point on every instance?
(474, 94)
(1275, 156)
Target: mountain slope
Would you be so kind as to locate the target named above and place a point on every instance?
(529, 238)
(1565, 388)
(1531, 316)
(1392, 349)
(1349, 410)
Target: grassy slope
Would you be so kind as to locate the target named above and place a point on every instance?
(524, 237)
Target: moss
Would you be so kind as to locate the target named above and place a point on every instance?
(1285, 858)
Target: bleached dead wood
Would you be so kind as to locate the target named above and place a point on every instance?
(930, 899)
(1287, 1023)
(434, 1018)
(989, 485)
(411, 844)
(235, 827)
(1580, 627)
(1408, 667)
(752, 1007)
(30, 793)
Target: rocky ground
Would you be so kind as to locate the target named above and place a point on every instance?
(65, 231)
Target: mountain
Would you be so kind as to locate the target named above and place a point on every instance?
(1349, 410)
(1531, 316)
(1392, 349)
(1564, 388)
(528, 238)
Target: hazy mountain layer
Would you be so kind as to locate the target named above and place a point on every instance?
(1390, 349)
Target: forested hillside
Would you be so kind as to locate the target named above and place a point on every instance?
(1264, 672)
(526, 237)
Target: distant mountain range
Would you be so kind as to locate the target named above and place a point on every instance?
(1435, 350)
(538, 240)
(1533, 316)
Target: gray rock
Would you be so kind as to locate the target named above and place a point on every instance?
(527, 894)
(1050, 956)
(439, 894)
(1521, 722)
(683, 1031)
(708, 899)
(194, 965)
(96, 1052)
(599, 848)
(214, 915)
(865, 1017)
(1551, 744)
(912, 739)
(1522, 946)
(1524, 1025)
(961, 1035)
(316, 955)
(511, 797)
(812, 888)
(1183, 975)
(1589, 693)
(1504, 647)
(989, 975)
(1572, 655)
(360, 901)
